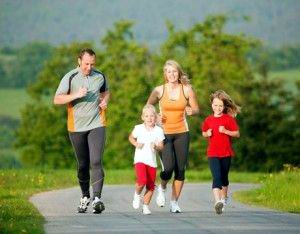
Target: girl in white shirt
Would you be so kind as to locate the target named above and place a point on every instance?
(147, 139)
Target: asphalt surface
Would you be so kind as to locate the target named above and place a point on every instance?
(60, 210)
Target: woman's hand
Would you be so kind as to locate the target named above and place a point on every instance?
(189, 110)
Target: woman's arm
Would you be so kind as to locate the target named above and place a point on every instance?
(193, 108)
(154, 96)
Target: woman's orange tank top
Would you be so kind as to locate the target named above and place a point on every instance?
(173, 112)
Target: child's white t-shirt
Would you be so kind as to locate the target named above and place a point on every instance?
(147, 155)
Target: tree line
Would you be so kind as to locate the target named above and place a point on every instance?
(212, 58)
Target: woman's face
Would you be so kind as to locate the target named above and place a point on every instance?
(171, 74)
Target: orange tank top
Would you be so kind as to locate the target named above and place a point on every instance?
(173, 112)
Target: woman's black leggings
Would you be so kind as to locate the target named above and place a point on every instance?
(174, 156)
(219, 168)
(89, 147)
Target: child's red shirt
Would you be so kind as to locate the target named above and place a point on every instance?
(219, 144)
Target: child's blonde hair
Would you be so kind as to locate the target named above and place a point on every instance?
(149, 107)
(229, 106)
(183, 77)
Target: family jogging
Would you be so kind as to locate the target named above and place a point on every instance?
(86, 93)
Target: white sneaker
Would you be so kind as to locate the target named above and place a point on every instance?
(146, 210)
(136, 201)
(219, 207)
(84, 202)
(225, 203)
(174, 207)
(98, 206)
(161, 197)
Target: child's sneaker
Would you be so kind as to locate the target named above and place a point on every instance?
(136, 201)
(84, 202)
(146, 210)
(174, 208)
(161, 197)
(98, 206)
(219, 207)
(225, 203)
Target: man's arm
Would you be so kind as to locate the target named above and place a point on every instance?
(62, 99)
(104, 98)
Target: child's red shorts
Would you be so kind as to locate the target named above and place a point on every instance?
(145, 175)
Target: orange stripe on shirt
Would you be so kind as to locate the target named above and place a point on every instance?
(70, 122)
(102, 117)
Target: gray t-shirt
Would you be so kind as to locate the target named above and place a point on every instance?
(84, 113)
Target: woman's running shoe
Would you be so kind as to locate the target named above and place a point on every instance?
(84, 202)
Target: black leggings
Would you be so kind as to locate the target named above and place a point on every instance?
(88, 147)
(219, 168)
(174, 156)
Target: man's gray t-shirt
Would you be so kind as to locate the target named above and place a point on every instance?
(84, 113)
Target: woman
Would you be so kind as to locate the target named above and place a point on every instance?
(176, 99)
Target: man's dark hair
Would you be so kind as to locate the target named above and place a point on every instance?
(86, 50)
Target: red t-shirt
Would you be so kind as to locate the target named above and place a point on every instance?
(219, 144)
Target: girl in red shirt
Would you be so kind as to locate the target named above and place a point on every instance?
(219, 128)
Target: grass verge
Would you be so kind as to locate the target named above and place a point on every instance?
(278, 191)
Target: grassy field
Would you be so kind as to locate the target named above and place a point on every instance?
(279, 191)
(11, 102)
(289, 77)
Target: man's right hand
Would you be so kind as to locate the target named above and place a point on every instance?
(82, 92)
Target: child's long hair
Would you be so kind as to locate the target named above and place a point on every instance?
(229, 106)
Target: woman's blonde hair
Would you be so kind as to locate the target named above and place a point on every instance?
(229, 106)
(183, 77)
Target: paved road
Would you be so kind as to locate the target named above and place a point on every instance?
(59, 209)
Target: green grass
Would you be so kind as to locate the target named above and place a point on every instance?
(278, 191)
(289, 75)
(289, 78)
(11, 102)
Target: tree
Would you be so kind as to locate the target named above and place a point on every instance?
(214, 60)
(42, 136)
(130, 76)
(268, 126)
(29, 62)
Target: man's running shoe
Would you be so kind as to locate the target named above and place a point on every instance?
(219, 207)
(161, 197)
(98, 206)
(174, 207)
(84, 202)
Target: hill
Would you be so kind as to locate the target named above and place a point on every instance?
(276, 22)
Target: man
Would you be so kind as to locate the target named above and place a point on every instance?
(85, 91)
